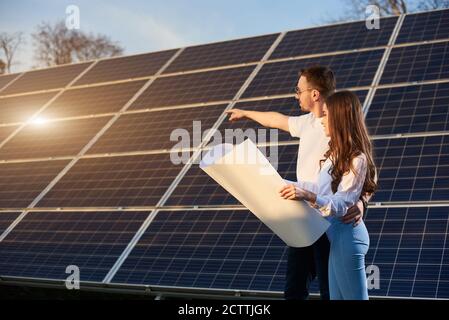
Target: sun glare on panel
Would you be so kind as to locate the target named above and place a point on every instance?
(38, 121)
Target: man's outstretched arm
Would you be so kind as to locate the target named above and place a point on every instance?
(268, 119)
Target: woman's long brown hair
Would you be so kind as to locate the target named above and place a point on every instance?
(348, 139)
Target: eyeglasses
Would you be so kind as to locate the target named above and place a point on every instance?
(298, 92)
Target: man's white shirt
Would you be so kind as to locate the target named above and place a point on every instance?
(313, 144)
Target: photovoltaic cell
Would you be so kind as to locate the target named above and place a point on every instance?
(92, 100)
(193, 88)
(21, 108)
(351, 70)
(114, 182)
(347, 36)
(6, 218)
(52, 139)
(5, 79)
(412, 169)
(44, 244)
(197, 188)
(417, 63)
(153, 130)
(410, 248)
(46, 79)
(424, 27)
(361, 94)
(136, 66)
(222, 53)
(20, 183)
(410, 109)
(207, 249)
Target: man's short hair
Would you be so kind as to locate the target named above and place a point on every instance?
(320, 78)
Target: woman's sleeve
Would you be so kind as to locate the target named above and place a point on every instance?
(348, 192)
(309, 186)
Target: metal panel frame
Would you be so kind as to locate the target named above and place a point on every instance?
(383, 62)
(12, 81)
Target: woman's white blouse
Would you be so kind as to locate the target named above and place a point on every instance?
(348, 191)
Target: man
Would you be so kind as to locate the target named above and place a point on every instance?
(315, 84)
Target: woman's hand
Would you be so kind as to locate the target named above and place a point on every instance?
(291, 192)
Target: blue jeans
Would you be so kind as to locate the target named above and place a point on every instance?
(349, 245)
(303, 264)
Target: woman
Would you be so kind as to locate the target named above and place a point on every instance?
(347, 173)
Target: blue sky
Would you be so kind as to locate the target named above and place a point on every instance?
(144, 26)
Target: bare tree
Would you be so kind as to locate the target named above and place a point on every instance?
(90, 47)
(55, 44)
(9, 43)
(2, 66)
(386, 7)
(432, 5)
(356, 9)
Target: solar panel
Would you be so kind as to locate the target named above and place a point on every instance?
(346, 36)
(193, 88)
(424, 27)
(21, 183)
(197, 188)
(417, 63)
(5, 79)
(222, 53)
(207, 249)
(6, 218)
(413, 169)
(152, 130)
(92, 100)
(113, 182)
(351, 70)
(410, 109)
(21, 108)
(202, 237)
(44, 244)
(136, 66)
(409, 247)
(46, 79)
(52, 139)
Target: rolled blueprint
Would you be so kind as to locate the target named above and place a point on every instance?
(248, 175)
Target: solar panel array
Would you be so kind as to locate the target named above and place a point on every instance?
(91, 180)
